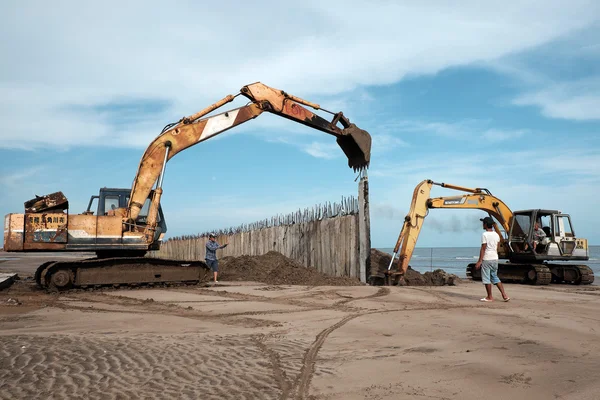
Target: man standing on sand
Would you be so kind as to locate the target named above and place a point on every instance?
(488, 260)
(211, 254)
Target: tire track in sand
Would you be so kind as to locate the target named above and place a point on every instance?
(278, 372)
(380, 293)
(302, 382)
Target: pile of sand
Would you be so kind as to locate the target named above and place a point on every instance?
(276, 269)
(380, 262)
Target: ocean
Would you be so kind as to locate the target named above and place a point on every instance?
(454, 260)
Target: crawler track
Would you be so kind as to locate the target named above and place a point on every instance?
(572, 274)
(587, 275)
(131, 271)
(534, 274)
(539, 274)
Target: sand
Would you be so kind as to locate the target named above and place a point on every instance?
(248, 340)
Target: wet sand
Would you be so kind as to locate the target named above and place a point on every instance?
(248, 340)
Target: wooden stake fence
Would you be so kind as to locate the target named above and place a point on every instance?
(324, 237)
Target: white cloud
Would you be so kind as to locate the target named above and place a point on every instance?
(383, 142)
(577, 100)
(459, 130)
(327, 151)
(499, 135)
(12, 183)
(16, 178)
(472, 169)
(64, 55)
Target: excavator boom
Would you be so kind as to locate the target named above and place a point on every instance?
(355, 142)
(411, 228)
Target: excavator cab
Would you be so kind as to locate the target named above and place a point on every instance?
(559, 242)
(111, 199)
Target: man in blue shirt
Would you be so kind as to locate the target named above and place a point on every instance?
(211, 254)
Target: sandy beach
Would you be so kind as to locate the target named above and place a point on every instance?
(250, 340)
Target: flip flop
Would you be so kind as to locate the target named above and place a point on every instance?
(507, 299)
(484, 299)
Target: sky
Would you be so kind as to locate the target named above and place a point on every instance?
(497, 95)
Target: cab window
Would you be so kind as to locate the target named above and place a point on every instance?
(563, 226)
(111, 203)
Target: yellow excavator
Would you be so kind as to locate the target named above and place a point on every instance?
(130, 222)
(527, 262)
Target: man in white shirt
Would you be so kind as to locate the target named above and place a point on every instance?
(488, 260)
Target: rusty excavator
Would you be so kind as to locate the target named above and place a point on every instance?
(129, 222)
(527, 263)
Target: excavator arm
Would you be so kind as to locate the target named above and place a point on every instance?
(480, 199)
(355, 142)
(413, 222)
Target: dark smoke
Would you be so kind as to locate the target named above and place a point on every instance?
(387, 211)
(455, 224)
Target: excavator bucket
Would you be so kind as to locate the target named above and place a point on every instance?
(356, 144)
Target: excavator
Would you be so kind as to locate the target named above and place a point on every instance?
(526, 263)
(129, 222)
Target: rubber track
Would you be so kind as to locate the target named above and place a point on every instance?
(53, 266)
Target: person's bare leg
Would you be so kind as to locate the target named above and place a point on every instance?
(215, 275)
(500, 287)
(488, 289)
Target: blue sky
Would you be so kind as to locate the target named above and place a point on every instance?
(478, 94)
